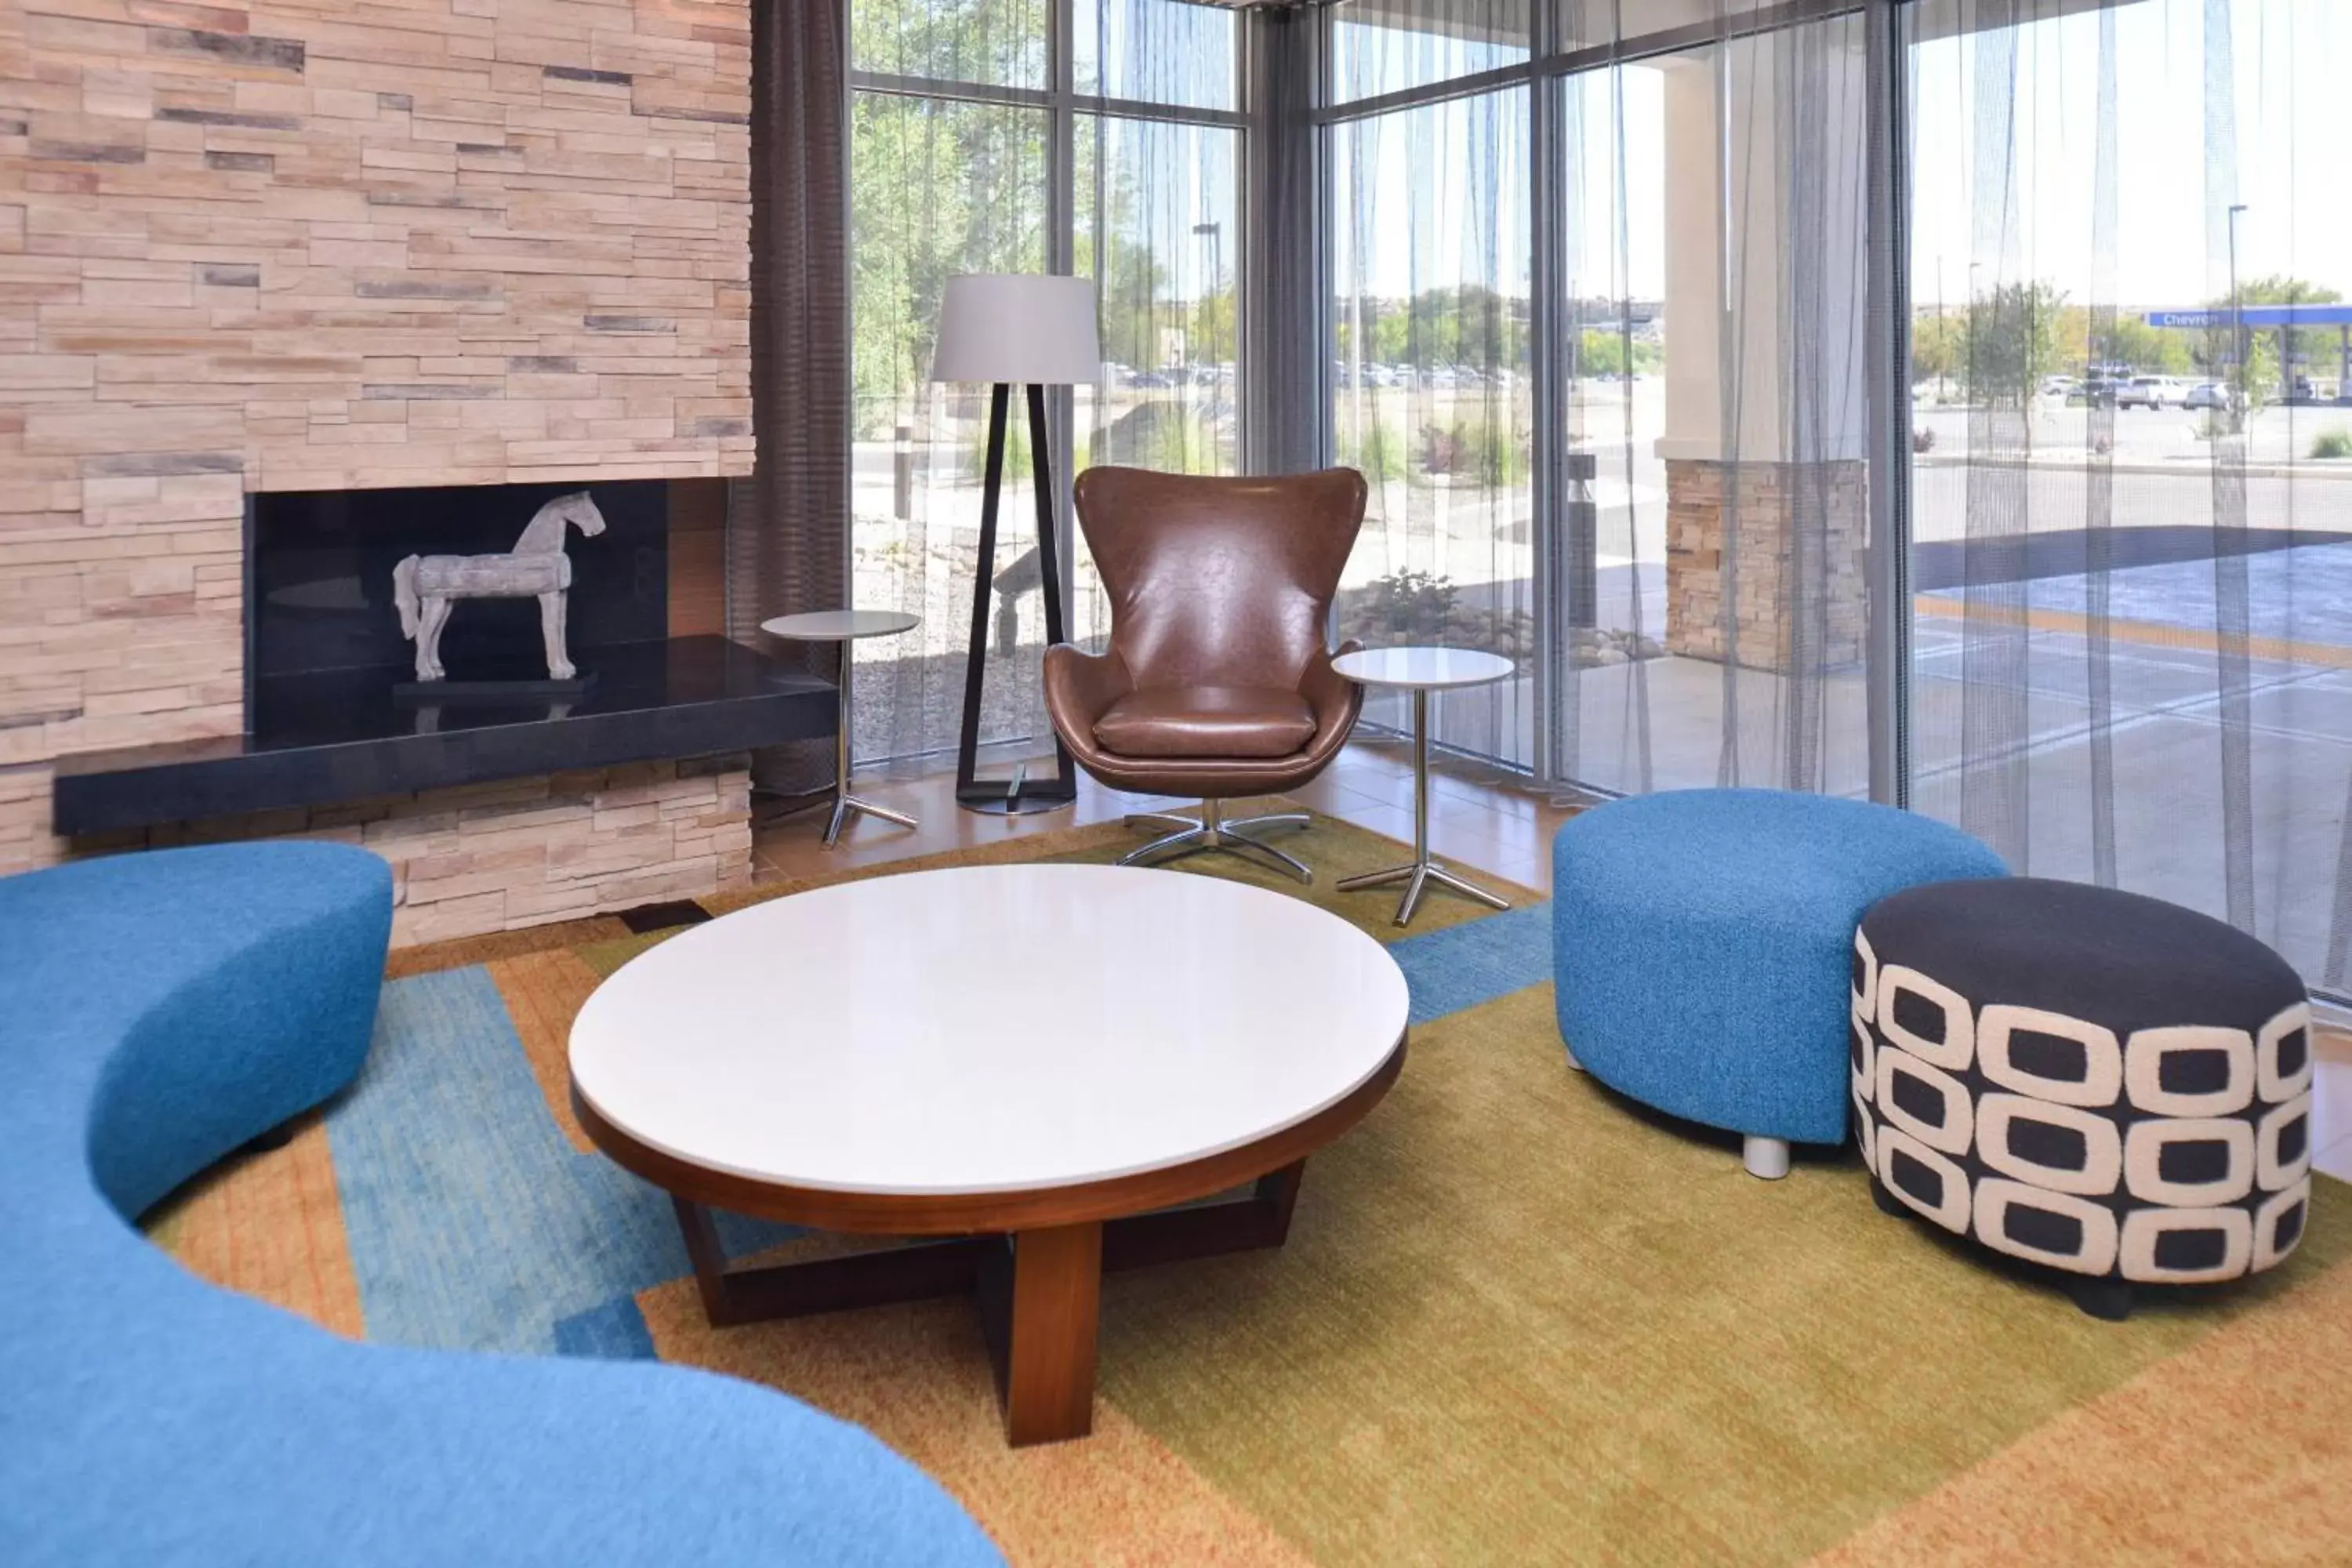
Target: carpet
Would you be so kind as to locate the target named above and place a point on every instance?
(1518, 1319)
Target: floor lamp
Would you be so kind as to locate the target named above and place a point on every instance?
(1035, 331)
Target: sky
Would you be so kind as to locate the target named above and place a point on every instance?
(2287, 97)
(1420, 213)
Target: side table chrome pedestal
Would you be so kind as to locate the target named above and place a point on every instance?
(1421, 670)
(845, 626)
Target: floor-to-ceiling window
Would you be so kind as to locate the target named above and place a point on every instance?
(1596, 326)
(2132, 412)
(1098, 137)
(1430, 394)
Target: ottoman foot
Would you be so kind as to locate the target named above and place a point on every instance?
(1765, 1157)
(2109, 1301)
(1574, 1065)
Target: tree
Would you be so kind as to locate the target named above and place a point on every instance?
(1939, 347)
(2014, 341)
(935, 188)
(2128, 340)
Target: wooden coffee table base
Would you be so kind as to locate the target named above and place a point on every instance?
(1040, 1290)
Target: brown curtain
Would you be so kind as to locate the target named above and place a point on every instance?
(788, 526)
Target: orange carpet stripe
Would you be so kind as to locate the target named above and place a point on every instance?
(270, 1225)
(918, 1377)
(543, 993)
(2239, 1449)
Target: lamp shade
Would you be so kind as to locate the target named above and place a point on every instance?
(1024, 327)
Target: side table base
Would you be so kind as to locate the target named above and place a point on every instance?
(845, 804)
(1417, 876)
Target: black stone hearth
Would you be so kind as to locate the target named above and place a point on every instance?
(339, 736)
(327, 721)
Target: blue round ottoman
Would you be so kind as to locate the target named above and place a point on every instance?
(1702, 941)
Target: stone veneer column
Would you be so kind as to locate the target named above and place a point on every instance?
(1764, 409)
(1745, 510)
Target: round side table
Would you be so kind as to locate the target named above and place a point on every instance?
(1421, 670)
(845, 626)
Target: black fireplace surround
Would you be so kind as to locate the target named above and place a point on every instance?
(324, 654)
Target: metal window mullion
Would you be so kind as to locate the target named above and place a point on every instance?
(1547, 241)
(1477, 85)
(1727, 28)
(1886, 666)
(1043, 98)
(1061, 256)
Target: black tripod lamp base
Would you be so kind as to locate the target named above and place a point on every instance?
(1019, 795)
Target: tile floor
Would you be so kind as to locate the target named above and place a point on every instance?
(1486, 821)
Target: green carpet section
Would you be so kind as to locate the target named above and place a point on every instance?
(1521, 1319)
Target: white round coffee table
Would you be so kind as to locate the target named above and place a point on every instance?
(845, 626)
(1421, 670)
(1033, 1055)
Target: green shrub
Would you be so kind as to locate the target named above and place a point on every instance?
(1018, 468)
(2332, 444)
(1161, 434)
(1407, 606)
(1376, 453)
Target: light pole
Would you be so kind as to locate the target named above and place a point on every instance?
(1968, 338)
(2237, 322)
(1943, 331)
(1216, 234)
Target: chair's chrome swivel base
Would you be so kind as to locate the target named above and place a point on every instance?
(1211, 831)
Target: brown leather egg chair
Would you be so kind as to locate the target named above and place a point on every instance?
(1216, 683)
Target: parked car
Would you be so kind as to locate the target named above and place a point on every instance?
(2148, 392)
(2097, 393)
(2206, 394)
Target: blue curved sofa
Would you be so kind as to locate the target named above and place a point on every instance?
(156, 1012)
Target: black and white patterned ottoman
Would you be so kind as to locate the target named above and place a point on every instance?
(2113, 1087)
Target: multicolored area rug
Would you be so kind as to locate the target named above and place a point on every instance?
(1518, 1319)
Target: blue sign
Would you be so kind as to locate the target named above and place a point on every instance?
(2254, 316)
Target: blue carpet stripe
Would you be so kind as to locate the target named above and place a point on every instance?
(1476, 960)
(447, 1121)
(614, 1331)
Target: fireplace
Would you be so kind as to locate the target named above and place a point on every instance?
(334, 713)
(319, 584)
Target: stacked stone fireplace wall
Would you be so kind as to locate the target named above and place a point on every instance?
(314, 244)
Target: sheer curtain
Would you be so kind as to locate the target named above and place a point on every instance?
(2132, 404)
(1100, 137)
(1433, 401)
(1598, 318)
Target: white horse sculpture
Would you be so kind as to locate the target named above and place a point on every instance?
(424, 587)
